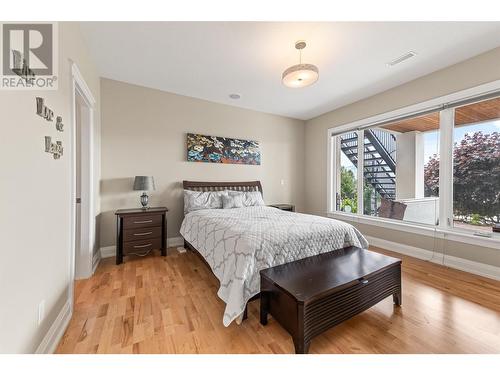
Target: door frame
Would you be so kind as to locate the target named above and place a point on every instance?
(87, 212)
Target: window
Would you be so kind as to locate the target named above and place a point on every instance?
(379, 162)
(476, 166)
(392, 170)
(347, 197)
(395, 158)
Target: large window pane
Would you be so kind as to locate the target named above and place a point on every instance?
(401, 170)
(476, 166)
(347, 196)
(379, 170)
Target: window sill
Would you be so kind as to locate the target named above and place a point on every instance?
(421, 229)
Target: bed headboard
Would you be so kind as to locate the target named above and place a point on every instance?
(217, 186)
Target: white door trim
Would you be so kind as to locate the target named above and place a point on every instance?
(80, 87)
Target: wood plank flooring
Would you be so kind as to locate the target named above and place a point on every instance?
(169, 305)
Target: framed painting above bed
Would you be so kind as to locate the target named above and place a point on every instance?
(211, 149)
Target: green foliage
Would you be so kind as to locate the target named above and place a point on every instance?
(476, 172)
(348, 183)
(353, 203)
(348, 190)
(349, 193)
(476, 219)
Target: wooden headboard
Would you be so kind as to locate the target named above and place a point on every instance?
(217, 186)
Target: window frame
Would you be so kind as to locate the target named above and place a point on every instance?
(446, 107)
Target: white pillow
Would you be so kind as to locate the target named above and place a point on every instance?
(253, 198)
(202, 200)
(233, 199)
(250, 198)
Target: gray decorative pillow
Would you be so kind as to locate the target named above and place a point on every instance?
(200, 200)
(233, 199)
(253, 198)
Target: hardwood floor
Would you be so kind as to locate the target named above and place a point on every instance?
(169, 305)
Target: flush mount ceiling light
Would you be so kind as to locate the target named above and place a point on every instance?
(300, 75)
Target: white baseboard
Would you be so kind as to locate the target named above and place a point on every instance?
(56, 331)
(110, 251)
(470, 266)
(412, 251)
(461, 264)
(175, 241)
(96, 259)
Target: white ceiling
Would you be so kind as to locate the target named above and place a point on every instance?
(210, 60)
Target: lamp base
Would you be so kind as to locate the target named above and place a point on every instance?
(144, 201)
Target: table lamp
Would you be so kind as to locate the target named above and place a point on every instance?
(144, 184)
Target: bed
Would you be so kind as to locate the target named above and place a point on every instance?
(237, 243)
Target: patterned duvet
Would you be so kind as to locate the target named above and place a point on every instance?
(238, 243)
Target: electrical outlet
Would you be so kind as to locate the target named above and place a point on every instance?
(41, 311)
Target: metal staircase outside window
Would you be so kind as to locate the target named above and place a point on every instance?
(379, 159)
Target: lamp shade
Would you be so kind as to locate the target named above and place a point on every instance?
(144, 183)
(300, 75)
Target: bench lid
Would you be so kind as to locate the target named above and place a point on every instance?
(312, 276)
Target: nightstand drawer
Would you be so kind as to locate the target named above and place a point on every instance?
(141, 245)
(136, 234)
(142, 221)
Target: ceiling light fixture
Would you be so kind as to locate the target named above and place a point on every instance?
(300, 75)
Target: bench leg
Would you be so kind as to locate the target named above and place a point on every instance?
(397, 298)
(264, 307)
(301, 346)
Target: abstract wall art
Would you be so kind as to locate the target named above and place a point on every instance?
(210, 149)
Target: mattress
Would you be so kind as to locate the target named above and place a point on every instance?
(237, 243)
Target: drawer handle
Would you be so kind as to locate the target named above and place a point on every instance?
(141, 246)
(143, 222)
(142, 234)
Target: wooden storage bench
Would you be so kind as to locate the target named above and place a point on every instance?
(311, 295)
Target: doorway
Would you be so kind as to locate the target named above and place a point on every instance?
(84, 255)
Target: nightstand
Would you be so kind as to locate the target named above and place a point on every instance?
(139, 231)
(284, 207)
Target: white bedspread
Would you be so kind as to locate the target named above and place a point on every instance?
(238, 243)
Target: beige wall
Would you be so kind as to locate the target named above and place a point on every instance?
(473, 72)
(144, 133)
(35, 191)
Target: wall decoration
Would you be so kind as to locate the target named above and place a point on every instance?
(56, 149)
(59, 124)
(204, 148)
(43, 111)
